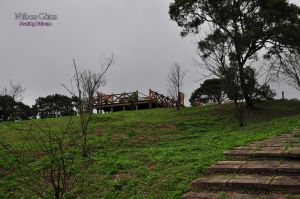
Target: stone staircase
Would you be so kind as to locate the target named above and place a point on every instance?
(268, 169)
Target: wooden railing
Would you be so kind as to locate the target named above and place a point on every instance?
(102, 98)
(161, 99)
(133, 97)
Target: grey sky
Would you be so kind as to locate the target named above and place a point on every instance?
(139, 32)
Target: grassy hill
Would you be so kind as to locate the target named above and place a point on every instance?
(153, 153)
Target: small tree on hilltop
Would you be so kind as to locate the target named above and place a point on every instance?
(264, 92)
(175, 82)
(197, 96)
(55, 106)
(213, 88)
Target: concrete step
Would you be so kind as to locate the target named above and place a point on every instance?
(236, 182)
(235, 195)
(257, 167)
(265, 152)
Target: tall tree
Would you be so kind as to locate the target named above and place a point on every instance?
(245, 26)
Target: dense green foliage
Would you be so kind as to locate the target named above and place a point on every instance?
(211, 89)
(55, 106)
(150, 153)
(7, 104)
(217, 90)
(12, 110)
(51, 106)
(264, 92)
(240, 31)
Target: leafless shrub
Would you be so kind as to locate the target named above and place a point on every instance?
(45, 160)
(287, 65)
(14, 90)
(84, 86)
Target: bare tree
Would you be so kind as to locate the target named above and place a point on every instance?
(16, 91)
(175, 82)
(84, 86)
(54, 152)
(287, 65)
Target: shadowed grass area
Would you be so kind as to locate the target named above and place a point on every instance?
(154, 153)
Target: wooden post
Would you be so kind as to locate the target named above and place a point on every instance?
(112, 109)
(282, 95)
(181, 99)
(136, 107)
(178, 100)
(150, 98)
(124, 108)
(150, 94)
(100, 99)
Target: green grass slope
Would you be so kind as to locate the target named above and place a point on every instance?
(155, 153)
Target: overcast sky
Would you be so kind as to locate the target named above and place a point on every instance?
(139, 33)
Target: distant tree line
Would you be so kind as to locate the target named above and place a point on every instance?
(56, 105)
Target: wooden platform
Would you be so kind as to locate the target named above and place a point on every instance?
(132, 101)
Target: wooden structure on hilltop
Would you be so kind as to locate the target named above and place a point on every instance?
(133, 101)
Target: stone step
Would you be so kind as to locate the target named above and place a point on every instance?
(265, 152)
(235, 195)
(281, 184)
(257, 167)
(265, 169)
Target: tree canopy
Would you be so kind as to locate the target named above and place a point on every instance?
(241, 27)
(55, 106)
(211, 89)
(7, 104)
(11, 110)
